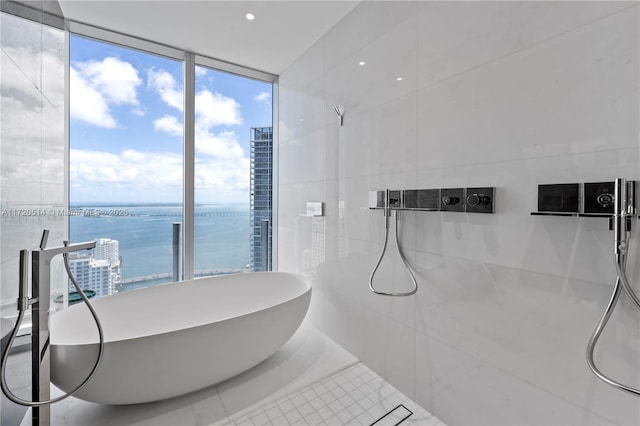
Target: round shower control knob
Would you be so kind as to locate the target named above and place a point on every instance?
(450, 201)
(477, 199)
(605, 200)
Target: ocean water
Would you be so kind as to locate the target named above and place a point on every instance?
(144, 232)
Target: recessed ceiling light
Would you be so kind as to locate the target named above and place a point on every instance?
(250, 16)
(361, 63)
(399, 78)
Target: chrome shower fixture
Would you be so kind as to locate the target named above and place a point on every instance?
(340, 112)
(392, 200)
(39, 304)
(466, 200)
(623, 211)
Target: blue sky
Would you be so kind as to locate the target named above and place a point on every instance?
(126, 127)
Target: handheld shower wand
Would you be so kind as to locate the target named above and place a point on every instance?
(623, 208)
(387, 220)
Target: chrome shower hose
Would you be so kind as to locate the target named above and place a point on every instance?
(10, 395)
(621, 281)
(402, 256)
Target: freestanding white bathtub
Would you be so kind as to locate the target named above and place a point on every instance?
(169, 340)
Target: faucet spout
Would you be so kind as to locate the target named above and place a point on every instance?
(46, 254)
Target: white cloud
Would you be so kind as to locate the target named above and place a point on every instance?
(212, 109)
(222, 176)
(215, 109)
(115, 79)
(151, 176)
(96, 85)
(168, 124)
(127, 176)
(201, 71)
(87, 103)
(166, 86)
(264, 97)
(140, 112)
(223, 146)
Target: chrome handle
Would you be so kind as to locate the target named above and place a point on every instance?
(478, 199)
(605, 200)
(23, 283)
(450, 201)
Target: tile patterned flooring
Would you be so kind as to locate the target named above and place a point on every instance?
(353, 396)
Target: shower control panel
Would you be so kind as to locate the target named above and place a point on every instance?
(479, 200)
(452, 200)
(599, 198)
(469, 200)
(589, 199)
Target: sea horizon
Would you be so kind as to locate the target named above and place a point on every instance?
(144, 234)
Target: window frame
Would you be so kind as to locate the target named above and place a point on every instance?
(190, 60)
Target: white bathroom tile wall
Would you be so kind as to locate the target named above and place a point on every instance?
(308, 68)
(512, 401)
(438, 367)
(390, 351)
(31, 159)
(302, 114)
(504, 94)
(455, 38)
(393, 121)
(308, 153)
(31, 147)
(388, 73)
(372, 21)
(550, 113)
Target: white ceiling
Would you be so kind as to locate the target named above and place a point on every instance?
(281, 31)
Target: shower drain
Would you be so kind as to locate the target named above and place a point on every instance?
(394, 417)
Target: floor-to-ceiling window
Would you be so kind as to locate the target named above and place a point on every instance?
(129, 157)
(227, 108)
(125, 163)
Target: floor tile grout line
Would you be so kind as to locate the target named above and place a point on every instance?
(295, 391)
(357, 372)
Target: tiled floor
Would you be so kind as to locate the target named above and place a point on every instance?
(353, 396)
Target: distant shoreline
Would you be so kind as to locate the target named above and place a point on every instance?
(198, 274)
(157, 204)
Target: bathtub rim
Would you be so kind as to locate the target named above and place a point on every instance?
(55, 340)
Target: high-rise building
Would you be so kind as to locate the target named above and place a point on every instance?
(99, 269)
(261, 191)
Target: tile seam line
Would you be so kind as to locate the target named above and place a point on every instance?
(371, 40)
(529, 47)
(489, 163)
(544, 390)
(295, 391)
(37, 89)
(519, 269)
(510, 374)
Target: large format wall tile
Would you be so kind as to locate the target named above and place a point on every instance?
(32, 155)
(504, 94)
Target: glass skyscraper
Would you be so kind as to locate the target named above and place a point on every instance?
(261, 190)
